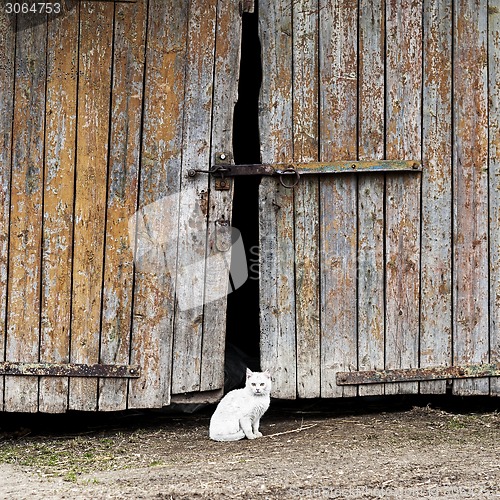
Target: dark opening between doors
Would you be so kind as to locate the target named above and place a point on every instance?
(243, 303)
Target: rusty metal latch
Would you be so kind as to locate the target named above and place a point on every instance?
(287, 172)
(70, 370)
(419, 374)
(224, 169)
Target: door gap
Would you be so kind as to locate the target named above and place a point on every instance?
(243, 332)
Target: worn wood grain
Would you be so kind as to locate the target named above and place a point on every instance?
(124, 157)
(226, 75)
(276, 218)
(338, 196)
(371, 121)
(403, 141)
(7, 51)
(306, 197)
(470, 188)
(23, 320)
(160, 170)
(192, 237)
(494, 184)
(60, 153)
(307, 286)
(327, 94)
(94, 84)
(436, 301)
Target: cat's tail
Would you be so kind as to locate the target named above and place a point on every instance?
(236, 436)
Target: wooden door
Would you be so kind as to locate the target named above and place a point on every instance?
(105, 107)
(380, 271)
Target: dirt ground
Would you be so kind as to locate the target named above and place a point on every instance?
(389, 448)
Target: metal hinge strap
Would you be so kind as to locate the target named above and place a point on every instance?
(419, 374)
(315, 168)
(70, 370)
(223, 169)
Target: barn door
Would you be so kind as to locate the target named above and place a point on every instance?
(339, 254)
(114, 262)
(182, 259)
(374, 272)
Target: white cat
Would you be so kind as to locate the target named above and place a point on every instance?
(239, 412)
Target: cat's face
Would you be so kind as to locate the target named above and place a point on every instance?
(259, 382)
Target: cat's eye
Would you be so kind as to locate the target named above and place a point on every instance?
(253, 383)
(262, 384)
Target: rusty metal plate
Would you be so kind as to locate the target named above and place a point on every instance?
(70, 370)
(418, 374)
(247, 6)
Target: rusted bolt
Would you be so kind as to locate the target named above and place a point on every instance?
(191, 172)
(132, 371)
(222, 156)
(353, 166)
(414, 165)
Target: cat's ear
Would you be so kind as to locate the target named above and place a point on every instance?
(249, 373)
(268, 373)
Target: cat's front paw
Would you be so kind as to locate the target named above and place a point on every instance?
(258, 434)
(251, 436)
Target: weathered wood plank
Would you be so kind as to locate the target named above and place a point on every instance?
(23, 319)
(403, 141)
(338, 196)
(7, 51)
(192, 238)
(470, 188)
(159, 179)
(125, 147)
(307, 285)
(60, 153)
(306, 197)
(436, 302)
(276, 222)
(371, 120)
(494, 184)
(371, 318)
(227, 59)
(95, 56)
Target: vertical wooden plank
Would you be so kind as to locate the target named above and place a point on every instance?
(7, 54)
(470, 188)
(371, 314)
(494, 184)
(160, 170)
(125, 147)
(276, 226)
(403, 141)
(94, 84)
(338, 196)
(60, 145)
(192, 238)
(23, 322)
(436, 306)
(227, 59)
(306, 197)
